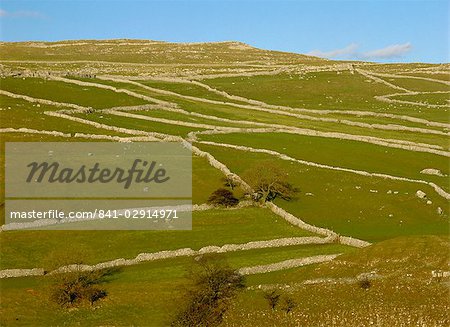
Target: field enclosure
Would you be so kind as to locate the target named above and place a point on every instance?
(358, 139)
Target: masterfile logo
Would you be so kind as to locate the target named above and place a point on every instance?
(99, 170)
(98, 185)
(54, 173)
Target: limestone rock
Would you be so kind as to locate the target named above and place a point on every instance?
(421, 195)
(432, 171)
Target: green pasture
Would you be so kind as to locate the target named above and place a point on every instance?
(323, 90)
(439, 76)
(137, 124)
(18, 113)
(188, 89)
(403, 292)
(155, 52)
(347, 203)
(212, 227)
(176, 116)
(409, 235)
(87, 96)
(238, 113)
(417, 85)
(429, 98)
(142, 294)
(150, 293)
(345, 154)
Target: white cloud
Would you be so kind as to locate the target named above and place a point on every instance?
(348, 51)
(20, 14)
(351, 52)
(391, 51)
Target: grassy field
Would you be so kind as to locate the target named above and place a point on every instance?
(225, 110)
(186, 117)
(30, 248)
(137, 124)
(438, 76)
(324, 91)
(187, 89)
(131, 297)
(153, 52)
(434, 98)
(132, 290)
(18, 113)
(350, 204)
(418, 85)
(231, 110)
(353, 155)
(400, 294)
(409, 235)
(69, 93)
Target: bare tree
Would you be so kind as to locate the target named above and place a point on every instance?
(272, 298)
(288, 304)
(78, 286)
(230, 181)
(269, 181)
(75, 285)
(214, 285)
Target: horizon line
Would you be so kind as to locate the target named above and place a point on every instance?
(218, 42)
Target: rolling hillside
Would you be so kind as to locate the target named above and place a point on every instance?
(366, 144)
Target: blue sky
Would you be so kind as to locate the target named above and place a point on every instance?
(391, 31)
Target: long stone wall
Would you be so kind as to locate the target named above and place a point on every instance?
(287, 264)
(282, 156)
(288, 111)
(43, 101)
(33, 131)
(144, 257)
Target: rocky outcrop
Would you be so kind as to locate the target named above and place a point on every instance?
(432, 171)
(421, 195)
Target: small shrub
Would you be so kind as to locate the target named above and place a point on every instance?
(73, 288)
(365, 284)
(288, 305)
(223, 198)
(272, 298)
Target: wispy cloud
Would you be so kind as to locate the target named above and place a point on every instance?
(351, 52)
(391, 51)
(20, 14)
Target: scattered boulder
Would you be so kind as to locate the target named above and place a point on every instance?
(432, 171)
(439, 211)
(421, 195)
